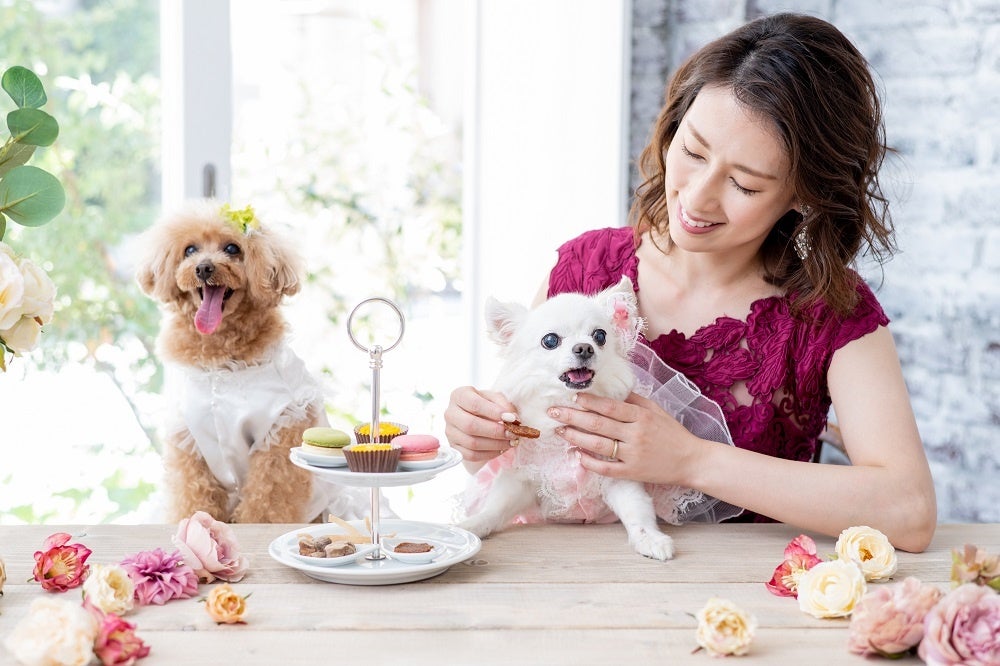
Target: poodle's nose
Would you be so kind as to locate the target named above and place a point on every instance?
(583, 350)
(204, 270)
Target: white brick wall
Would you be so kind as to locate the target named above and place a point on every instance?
(939, 66)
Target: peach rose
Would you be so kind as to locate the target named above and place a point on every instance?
(109, 588)
(209, 547)
(963, 628)
(724, 628)
(225, 606)
(54, 631)
(3, 576)
(831, 589)
(889, 621)
(870, 549)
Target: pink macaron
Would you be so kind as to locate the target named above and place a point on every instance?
(417, 447)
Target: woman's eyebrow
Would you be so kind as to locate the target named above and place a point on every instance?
(740, 167)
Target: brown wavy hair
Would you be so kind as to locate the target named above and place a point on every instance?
(815, 87)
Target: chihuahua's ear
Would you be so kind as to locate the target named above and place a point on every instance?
(503, 319)
(623, 308)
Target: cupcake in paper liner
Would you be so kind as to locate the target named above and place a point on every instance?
(387, 430)
(372, 458)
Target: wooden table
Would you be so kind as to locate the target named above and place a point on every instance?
(554, 594)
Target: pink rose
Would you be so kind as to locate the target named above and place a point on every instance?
(209, 547)
(800, 556)
(160, 577)
(963, 628)
(889, 621)
(61, 565)
(116, 643)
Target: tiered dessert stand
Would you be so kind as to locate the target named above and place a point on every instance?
(376, 564)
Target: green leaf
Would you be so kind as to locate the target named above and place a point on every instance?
(31, 196)
(14, 155)
(24, 87)
(3, 230)
(33, 127)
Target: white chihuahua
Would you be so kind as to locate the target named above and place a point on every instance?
(568, 344)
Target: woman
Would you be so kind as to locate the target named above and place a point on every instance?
(760, 190)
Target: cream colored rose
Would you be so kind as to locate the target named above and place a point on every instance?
(724, 628)
(110, 589)
(870, 549)
(39, 292)
(831, 589)
(11, 288)
(22, 336)
(54, 631)
(225, 606)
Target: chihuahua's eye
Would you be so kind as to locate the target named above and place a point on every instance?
(551, 341)
(190, 249)
(600, 336)
(232, 249)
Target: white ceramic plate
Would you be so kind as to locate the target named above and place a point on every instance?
(441, 458)
(458, 546)
(436, 551)
(346, 477)
(319, 459)
(362, 550)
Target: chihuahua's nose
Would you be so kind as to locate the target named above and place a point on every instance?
(583, 350)
(204, 270)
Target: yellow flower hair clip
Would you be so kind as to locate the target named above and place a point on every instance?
(244, 220)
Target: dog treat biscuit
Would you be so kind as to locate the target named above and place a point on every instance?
(517, 428)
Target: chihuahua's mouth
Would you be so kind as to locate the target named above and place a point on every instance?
(209, 315)
(577, 378)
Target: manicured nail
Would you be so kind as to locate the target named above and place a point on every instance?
(561, 430)
(509, 417)
(553, 412)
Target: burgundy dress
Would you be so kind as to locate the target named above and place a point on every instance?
(776, 363)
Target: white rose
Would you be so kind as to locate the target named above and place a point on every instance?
(109, 588)
(22, 336)
(54, 632)
(11, 288)
(831, 589)
(870, 549)
(39, 292)
(724, 628)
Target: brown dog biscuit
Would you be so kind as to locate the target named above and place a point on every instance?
(516, 428)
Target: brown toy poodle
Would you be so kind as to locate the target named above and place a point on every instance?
(241, 396)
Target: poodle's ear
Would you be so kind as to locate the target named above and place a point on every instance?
(622, 306)
(154, 272)
(503, 320)
(275, 267)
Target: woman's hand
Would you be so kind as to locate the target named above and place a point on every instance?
(474, 424)
(643, 441)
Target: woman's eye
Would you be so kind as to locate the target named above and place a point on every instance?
(743, 190)
(232, 249)
(684, 149)
(189, 250)
(551, 341)
(600, 336)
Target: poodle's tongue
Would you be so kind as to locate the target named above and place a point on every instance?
(209, 314)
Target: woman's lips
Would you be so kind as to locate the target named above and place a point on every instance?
(693, 226)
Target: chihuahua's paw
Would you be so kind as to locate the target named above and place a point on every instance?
(656, 545)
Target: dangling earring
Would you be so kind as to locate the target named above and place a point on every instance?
(801, 243)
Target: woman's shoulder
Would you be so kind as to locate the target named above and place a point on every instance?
(594, 260)
(835, 329)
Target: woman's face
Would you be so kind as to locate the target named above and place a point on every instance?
(727, 179)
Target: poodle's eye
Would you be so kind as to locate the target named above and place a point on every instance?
(232, 249)
(600, 336)
(551, 341)
(190, 249)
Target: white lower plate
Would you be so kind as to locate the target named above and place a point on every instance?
(459, 545)
(345, 477)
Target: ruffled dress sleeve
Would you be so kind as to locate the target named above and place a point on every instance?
(594, 261)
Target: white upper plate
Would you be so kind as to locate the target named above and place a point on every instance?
(458, 546)
(319, 459)
(346, 477)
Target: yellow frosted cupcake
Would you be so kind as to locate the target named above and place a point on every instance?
(372, 458)
(387, 430)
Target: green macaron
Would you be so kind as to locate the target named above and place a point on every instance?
(325, 441)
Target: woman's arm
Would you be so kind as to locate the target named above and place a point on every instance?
(888, 486)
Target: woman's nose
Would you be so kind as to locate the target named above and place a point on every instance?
(702, 191)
